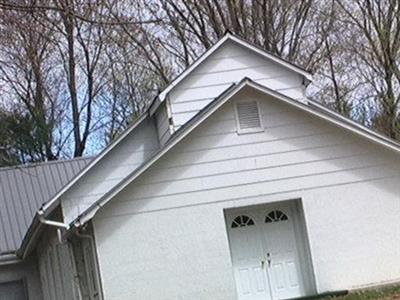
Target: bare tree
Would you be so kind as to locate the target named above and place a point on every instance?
(26, 79)
(89, 54)
(75, 73)
(281, 27)
(375, 45)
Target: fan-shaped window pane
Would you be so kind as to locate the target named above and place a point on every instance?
(275, 216)
(242, 221)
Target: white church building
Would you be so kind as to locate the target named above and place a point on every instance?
(232, 185)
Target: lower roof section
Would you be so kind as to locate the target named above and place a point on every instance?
(23, 190)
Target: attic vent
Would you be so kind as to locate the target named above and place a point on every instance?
(248, 117)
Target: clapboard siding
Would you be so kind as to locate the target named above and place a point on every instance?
(242, 174)
(261, 71)
(280, 175)
(305, 143)
(239, 164)
(294, 152)
(120, 162)
(215, 87)
(226, 66)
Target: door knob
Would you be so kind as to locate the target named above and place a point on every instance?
(269, 259)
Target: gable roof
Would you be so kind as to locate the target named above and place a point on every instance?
(227, 37)
(23, 190)
(237, 40)
(313, 108)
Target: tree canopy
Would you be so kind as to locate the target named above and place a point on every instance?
(75, 73)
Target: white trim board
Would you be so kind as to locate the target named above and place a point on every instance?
(322, 113)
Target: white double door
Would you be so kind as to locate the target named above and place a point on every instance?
(265, 254)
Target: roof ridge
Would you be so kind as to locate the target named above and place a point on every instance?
(41, 163)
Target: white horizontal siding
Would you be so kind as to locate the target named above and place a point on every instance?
(245, 189)
(243, 163)
(228, 65)
(294, 152)
(121, 161)
(229, 73)
(243, 176)
(193, 94)
(175, 209)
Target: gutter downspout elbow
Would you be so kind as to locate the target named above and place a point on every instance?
(60, 226)
(43, 220)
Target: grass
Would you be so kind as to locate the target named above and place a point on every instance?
(384, 293)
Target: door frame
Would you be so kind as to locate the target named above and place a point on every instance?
(300, 231)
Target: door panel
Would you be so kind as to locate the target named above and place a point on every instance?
(247, 251)
(264, 254)
(281, 249)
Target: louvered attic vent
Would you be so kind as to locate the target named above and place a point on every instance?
(248, 117)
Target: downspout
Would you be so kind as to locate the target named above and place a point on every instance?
(60, 226)
(94, 256)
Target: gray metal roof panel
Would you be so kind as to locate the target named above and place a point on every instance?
(23, 190)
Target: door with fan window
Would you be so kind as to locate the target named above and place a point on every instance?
(265, 254)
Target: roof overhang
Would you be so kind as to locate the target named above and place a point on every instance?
(313, 108)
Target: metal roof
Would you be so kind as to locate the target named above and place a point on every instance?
(24, 189)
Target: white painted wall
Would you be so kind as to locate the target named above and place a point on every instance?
(26, 271)
(227, 65)
(355, 233)
(164, 236)
(165, 255)
(118, 163)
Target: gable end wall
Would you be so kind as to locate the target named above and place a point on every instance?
(228, 65)
(167, 228)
